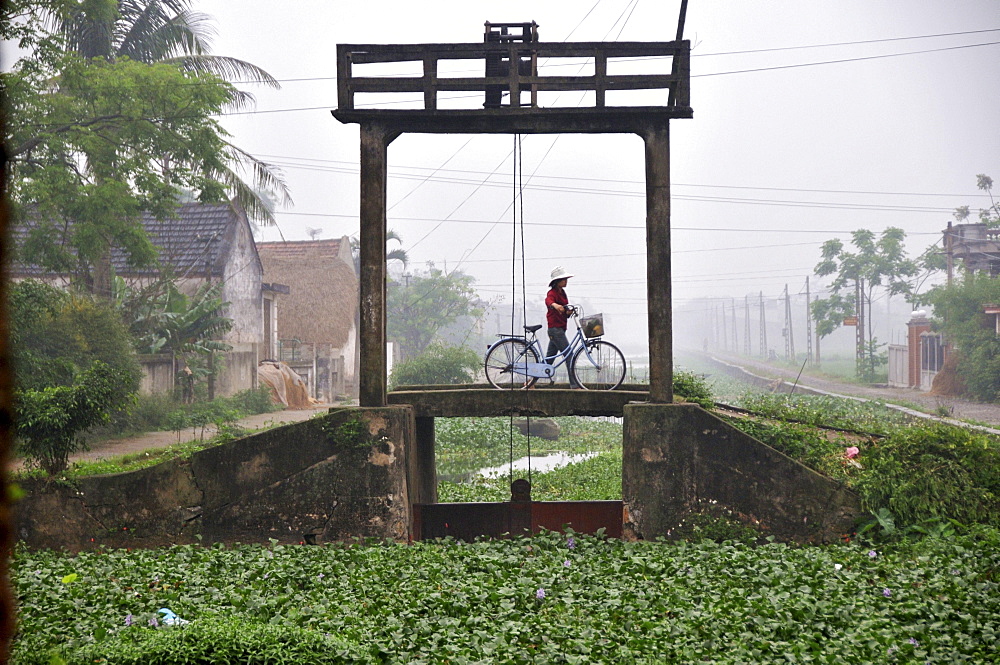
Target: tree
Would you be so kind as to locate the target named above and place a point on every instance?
(56, 336)
(74, 364)
(958, 313)
(878, 264)
(438, 364)
(49, 421)
(112, 115)
(425, 304)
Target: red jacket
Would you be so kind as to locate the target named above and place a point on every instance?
(554, 317)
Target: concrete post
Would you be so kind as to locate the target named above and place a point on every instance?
(658, 286)
(423, 473)
(375, 141)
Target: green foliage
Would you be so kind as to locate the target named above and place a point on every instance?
(464, 445)
(113, 113)
(420, 308)
(438, 364)
(597, 478)
(693, 388)
(162, 319)
(939, 471)
(958, 308)
(218, 640)
(55, 335)
(605, 601)
(49, 421)
(878, 264)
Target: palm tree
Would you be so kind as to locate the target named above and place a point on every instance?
(170, 32)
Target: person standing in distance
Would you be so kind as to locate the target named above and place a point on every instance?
(557, 313)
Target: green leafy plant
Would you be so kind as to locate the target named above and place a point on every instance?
(438, 364)
(50, 421)
(555, 597)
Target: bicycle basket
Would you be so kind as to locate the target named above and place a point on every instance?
(592, 326)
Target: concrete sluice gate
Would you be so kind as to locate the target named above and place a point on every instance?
(357, 473)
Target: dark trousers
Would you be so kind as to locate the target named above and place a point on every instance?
(558, 342)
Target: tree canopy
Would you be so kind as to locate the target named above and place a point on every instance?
(420, 307)
(878, 263)
(113, 113)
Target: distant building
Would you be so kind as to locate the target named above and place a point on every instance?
(318, 334)
(975, 245)
(205, 242)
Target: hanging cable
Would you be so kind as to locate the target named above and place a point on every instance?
(519, 167)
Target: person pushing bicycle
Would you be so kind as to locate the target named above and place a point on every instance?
(557, 312)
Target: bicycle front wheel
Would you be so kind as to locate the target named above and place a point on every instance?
(501, 363)
(599, 365)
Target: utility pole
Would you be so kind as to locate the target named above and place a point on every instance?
(809, 324)
(763, 329)
(725, 334)
(859, 294)
(746, 330)
(736, 341)
(787, 331)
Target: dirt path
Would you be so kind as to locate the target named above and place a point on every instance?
(957, 408)
(153, 440)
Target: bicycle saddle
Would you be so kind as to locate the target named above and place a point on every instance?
(531, 329)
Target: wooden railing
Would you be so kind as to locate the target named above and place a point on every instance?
(676, 79)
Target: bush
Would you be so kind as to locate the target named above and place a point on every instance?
(255, 400)
(693, 388)
(50, 421)
(940, 471)
(438, 364)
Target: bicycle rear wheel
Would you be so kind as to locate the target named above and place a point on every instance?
(603, 370)
(500, 363)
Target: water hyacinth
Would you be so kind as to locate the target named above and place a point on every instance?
(566, 563)
(540, 594)
(128, 619)
(571, 542)
(887, 593)
(872, 554)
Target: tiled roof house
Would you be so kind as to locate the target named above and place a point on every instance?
(205, 241)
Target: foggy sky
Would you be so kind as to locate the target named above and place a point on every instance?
(774, 162)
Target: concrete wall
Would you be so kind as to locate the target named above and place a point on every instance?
(344, 478)
(157, 374)
(679, 459)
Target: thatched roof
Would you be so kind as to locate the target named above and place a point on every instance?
(323, 295)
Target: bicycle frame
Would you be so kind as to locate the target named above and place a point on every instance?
(545, 369)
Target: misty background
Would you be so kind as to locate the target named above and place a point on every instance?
(811, 120)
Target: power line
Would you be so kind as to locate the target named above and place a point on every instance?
(353, 168)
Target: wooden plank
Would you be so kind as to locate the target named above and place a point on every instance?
(382, 53)
(345, 99)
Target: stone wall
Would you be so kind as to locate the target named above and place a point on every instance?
(335, 477)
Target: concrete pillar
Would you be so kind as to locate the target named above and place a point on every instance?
(917, 324)
(375, 140)
(658, 286)
(423, 472)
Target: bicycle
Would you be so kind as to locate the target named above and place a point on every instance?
(512, 362)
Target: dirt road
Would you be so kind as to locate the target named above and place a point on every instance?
(152, 440)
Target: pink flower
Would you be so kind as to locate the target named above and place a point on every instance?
(852, 452)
